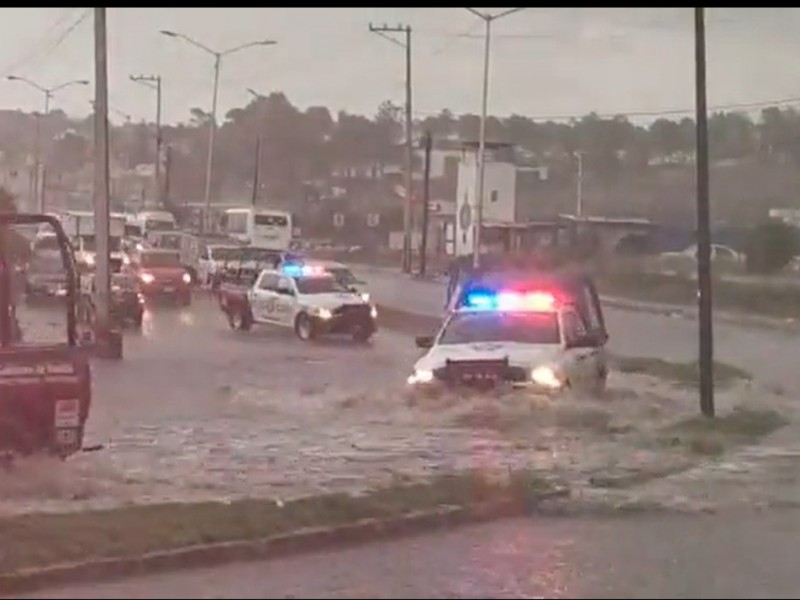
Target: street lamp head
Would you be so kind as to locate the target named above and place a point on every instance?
(267, 43)
(13, 78)
(168, 33)
(82, 82)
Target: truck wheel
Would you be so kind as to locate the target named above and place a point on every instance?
(304, 327)
(598, 386)
(239, 320)
(362, 335)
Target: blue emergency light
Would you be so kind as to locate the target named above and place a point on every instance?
(536, 301)
(295, 270)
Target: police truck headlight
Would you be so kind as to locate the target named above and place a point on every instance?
(147, 278)
(546, 377)
(187, 279)
(365, 297)
(420, 376)
(373, 312)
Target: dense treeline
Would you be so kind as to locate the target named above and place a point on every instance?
(301, 146)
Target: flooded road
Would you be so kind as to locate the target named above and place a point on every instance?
(196, 411)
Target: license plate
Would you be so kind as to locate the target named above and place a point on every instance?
(169, 288)
(67, 413)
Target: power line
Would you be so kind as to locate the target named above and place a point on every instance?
(69, 31)
(37, 46)
(653, 113)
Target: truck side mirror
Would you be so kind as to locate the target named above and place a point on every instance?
(424, 341)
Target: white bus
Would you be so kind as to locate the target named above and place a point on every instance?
(142, 223)
(259, 227)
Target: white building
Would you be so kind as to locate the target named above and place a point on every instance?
(499, 191)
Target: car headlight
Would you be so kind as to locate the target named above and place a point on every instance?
(421, 376)
(365, 296)
(126, 260)
(324, 313)
(89, 259)
(147, 278)
(187, 278)
(546, 377)
(373, 312)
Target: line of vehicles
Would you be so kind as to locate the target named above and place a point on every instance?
(543, 331)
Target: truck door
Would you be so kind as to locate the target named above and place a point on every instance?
(264, 297)
(581, 360)
(287, 300)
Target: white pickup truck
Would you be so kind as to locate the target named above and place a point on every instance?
(304, 298)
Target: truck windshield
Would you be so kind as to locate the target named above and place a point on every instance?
(260, 255)
(271, 220)
(343, 276)
(46, 265)
(318, 285)
(522, 328)
(225, 253)
(89, 243)
(160, 259)
(159, 225)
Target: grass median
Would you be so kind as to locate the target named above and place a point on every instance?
(684, 374)
(765, 300)
(40, 540)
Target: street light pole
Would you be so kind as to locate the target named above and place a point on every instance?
(154, 82)
(481, 158)
(39, 190)
(212, 134)
(213, 120)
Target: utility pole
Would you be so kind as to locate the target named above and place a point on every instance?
(108, 341)
(705, 306)
(259, 142)
(256, 169)
(167, 172)
(426, 202)
(154, 82)
(383, 30)
(579, 206)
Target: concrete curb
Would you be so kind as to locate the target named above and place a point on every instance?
(279, 546)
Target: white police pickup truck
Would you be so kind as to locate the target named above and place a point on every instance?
(529, 339)
(305, 298)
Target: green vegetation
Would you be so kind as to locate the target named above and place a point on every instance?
(681, 373)
(712, 436)
(48, 539)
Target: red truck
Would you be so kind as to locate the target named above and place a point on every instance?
(45, 388)
(160, 273)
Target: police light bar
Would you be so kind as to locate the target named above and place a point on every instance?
(510, 301)
(291, 270)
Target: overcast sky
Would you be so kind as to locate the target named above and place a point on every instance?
(545, 61)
